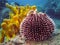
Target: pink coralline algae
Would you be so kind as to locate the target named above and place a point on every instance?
(37, 27)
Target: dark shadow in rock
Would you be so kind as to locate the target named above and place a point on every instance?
(50, 12)
(57, 15)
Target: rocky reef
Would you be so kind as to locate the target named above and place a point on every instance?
(2, 6)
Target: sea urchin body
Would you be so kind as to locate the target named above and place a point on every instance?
(37, 27)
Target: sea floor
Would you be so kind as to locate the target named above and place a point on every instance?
(54, 41)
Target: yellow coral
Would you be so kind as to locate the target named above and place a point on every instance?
(12, 8)
(2, 37)
(33, 7)
(7, 21)
(4, 25)
(10, 27)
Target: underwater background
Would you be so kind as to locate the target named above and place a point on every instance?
(50, 7)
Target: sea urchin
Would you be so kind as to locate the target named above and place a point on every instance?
(37, 27)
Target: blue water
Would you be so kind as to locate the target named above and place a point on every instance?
(30, 2)
(47, 6)
(51, 7)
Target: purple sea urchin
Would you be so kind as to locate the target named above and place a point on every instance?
(37, 27)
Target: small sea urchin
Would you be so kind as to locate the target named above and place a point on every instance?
(37, 27)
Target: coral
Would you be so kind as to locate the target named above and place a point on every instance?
(11, 26)
(37, 27)
(1, 36)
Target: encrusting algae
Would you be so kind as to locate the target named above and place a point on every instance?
(11, 26)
